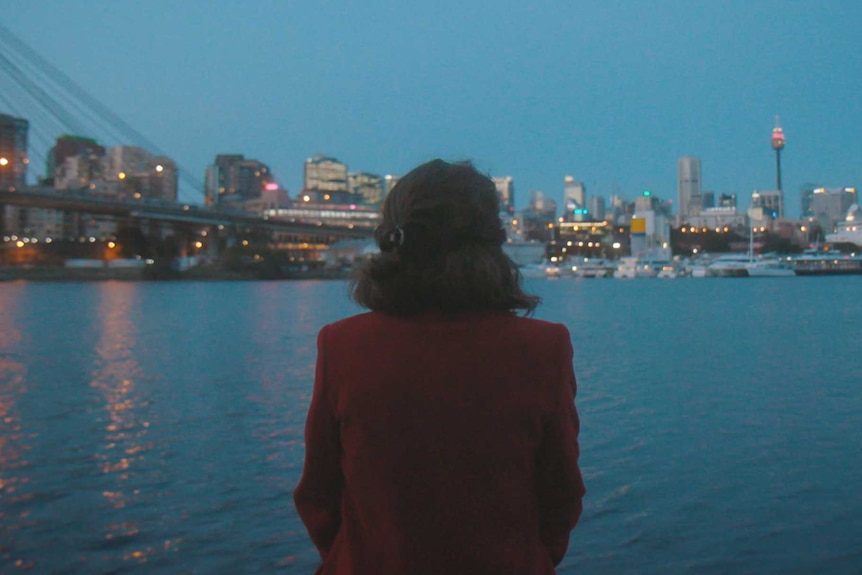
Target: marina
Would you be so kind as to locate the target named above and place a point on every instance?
(810, 263)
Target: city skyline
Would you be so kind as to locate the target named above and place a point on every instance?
(611, 95)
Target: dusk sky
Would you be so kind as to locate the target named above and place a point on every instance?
(610, 92)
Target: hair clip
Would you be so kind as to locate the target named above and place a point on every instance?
(391, 240)
(396, 236)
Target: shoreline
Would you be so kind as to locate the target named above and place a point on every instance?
(56, 273)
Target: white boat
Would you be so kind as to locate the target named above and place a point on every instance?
(593, 268)
(667, 272)
(697, 268)
(729, 266)
(627, 268)
(848, 231)
(630, 267)
(746, 265)
(553, 271)
(769, 266)
(533, 271)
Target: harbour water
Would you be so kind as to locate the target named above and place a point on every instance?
(157, 427)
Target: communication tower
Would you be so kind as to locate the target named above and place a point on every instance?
(777, 145)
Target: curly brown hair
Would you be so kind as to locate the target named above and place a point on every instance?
(441, 248)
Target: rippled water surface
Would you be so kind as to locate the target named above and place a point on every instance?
(157, 427)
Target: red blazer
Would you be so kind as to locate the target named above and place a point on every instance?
(441, 445)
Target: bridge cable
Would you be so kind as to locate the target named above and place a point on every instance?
(102, 112)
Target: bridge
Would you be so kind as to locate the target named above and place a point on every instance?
(301, 234)
(304, 223)
(48, 102)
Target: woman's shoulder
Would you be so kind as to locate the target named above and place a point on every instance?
(377, 317)
(364, 319)
(370, 323)
(374, 321)
(538, 327)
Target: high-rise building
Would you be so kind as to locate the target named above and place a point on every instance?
(597, 208)
(806, 196)
(766, 205)
(233, 178)
(574, 200)
(506, 192)
(645, 202)
(249, 178)
(829, 205)
(75, 163)
(539, 217)
(689, 186)
(618, 208)
(13, 151)
(650, 235)
(216, 177)
(367, 187)
(325, 174)
(124, 160)
(132, 172)
(727, 201)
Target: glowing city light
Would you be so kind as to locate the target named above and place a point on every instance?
(160, 168)
(777, 136)
(4, 162)
(122, 175)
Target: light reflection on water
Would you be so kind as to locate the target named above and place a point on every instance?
(115, 378)
(14, 467)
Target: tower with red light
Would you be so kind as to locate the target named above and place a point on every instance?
(777, 145)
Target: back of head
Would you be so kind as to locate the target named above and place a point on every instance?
(441, 248)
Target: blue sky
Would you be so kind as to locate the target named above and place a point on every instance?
(611, 92)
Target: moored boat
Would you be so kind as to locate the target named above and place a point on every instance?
(823, 263)
(769, 266)
(593, 268)
(667, 271)
(848, 231)
(728, 266)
